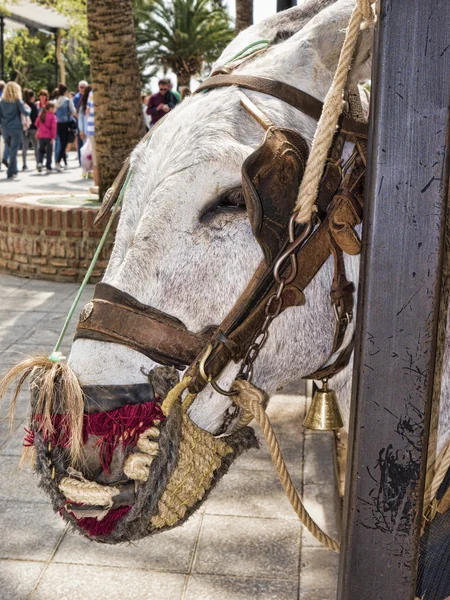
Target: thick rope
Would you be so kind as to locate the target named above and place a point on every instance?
(88, 492)
(251, 399)
(362, 17)
(436, 473)
(137, 466)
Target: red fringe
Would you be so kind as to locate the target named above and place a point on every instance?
(123, 425)
(28, 440)
(106, 525)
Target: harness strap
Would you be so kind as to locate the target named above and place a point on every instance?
(115, 316)
(299, 99)
(255, 112)
(248, 314)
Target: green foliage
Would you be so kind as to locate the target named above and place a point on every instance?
(181, 35)
(30, 54)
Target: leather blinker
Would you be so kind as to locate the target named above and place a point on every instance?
(271, 178)
(345, 218)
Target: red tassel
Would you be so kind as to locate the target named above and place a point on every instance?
(123, 425)
(28, 440)
(106, 525)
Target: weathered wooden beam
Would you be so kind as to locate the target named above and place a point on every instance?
(398, 307)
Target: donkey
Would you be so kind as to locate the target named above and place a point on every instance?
(181, 248)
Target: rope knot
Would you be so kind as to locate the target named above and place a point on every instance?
(367, 10)
(249, 396)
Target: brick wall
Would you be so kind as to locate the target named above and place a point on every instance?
(48, 242)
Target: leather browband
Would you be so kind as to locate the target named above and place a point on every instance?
(115, 316)
(299, 99)
(283, 91)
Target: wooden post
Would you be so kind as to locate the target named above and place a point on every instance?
(398, 307)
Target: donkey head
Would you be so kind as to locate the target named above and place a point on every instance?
(123, 465)
(184, 245)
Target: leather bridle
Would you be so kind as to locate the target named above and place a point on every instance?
(292, 254)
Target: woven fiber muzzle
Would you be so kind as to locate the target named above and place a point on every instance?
(145, 476)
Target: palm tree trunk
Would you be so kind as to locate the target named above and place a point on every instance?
(183, 80)
(118, 119)
(244, 15)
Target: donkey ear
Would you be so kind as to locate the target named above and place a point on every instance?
(277, 28)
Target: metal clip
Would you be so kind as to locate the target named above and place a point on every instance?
(348, 317)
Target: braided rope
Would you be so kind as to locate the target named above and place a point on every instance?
(137, 466)
(362, 17)
(440, 468)
(88, 492)
(250, 398)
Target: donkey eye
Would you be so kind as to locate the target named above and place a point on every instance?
(231, 200)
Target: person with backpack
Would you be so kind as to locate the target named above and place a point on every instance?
(12, 109)
(65, 110)
(46, 131)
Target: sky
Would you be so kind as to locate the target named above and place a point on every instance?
(261, 8)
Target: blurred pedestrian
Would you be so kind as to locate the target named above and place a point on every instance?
(79, 95)
(64, 112)
(82, 85)
(82, 119)
(43, 98)
(174, 91)
(144, 102)
(90, 129)
(29, 135)
(12, 108)
(2, 149)
(46, 125)
(161, 103)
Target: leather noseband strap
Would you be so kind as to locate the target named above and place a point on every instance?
(115, 316)
(98, 398)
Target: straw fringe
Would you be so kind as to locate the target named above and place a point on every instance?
(57, 390)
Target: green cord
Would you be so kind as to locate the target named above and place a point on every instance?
(243, 53)
(55, 356)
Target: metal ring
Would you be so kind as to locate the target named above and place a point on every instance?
(220, 390)
(209, 378)
(201, 365)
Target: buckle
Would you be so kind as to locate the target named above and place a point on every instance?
(342, 319)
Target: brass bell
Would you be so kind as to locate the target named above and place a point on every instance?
(323, 414)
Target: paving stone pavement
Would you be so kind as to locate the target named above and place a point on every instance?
(244, 543)
(32, 182)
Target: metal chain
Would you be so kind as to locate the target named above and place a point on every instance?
(274, 303)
